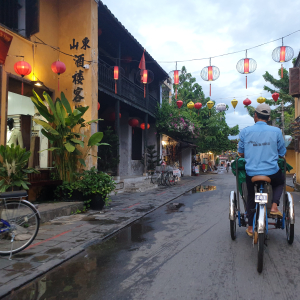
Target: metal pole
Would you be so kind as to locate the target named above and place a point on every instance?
(145, 144)
(117, 111)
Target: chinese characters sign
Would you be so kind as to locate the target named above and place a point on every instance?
(5, 41)
(78, 77)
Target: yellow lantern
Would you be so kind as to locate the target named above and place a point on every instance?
(234, 103)
(191, 105)
(261, 100)
(210, 104)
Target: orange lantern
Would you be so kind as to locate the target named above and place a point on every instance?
(58, 67)
(143, 126)
(133, 123)
(117, 73)
(210, 73)
(246, 66)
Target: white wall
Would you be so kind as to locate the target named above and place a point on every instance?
(19, 105)
(186, 156)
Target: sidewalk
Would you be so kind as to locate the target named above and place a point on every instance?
(64, 237)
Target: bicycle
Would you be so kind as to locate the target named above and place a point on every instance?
(19, 222)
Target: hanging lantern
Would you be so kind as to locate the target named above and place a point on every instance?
(282, 54)
(145, 77)
(133, 123)
(179, 103)
(22, 68)
(246, 66)
(221, 107)
(98, 105)
(261, 100)
(58, 67)
(190, 105)
(210, 73)
(112, 116)
(234, 103)
(117, 73)
(247, 102)
(210, 105)
(275, 96)
(143, 126)
(175, 78)
(198, 105)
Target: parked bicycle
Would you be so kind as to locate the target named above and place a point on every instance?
(19, 222)
(164, 175)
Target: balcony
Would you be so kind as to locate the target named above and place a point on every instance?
(127, 90)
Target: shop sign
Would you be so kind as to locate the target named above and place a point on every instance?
(5, 41)
(223, 157)
(177, 172)
(78, 77)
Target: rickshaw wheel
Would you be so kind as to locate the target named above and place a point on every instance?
(289, 227)
(260, 247)
(233, 229)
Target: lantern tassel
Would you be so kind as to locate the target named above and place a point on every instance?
(281, 70)
(22, 89)
(176, 93)
(246, 82)
(116, 88)
(210, 89)
(144, 91)
(58, 83)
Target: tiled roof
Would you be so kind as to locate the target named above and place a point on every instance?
(133, 38)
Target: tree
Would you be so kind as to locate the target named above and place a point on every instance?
(208, 130)
(280, 86)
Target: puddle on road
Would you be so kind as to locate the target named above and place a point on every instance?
(173, 207)
(79, 278)
(201, 189)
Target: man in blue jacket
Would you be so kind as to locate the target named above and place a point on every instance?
(261, 145)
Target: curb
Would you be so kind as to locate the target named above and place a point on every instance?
(50, 265)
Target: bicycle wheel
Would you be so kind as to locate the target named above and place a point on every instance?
(154, 178)
(167, 179)
(288, 226)
(171, 178)
(260, 247)
(19, 223)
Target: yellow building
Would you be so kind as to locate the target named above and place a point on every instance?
(295, 91)
(41, 32)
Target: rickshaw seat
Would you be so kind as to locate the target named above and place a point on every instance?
(261, 178)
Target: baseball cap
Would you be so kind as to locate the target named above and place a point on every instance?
(263, 109)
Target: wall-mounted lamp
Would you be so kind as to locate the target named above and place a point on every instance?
(37, 83)
(164, 143)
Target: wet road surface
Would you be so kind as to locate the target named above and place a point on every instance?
(181, 251)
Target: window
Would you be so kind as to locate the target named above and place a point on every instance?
(137, 140)
(21, 16)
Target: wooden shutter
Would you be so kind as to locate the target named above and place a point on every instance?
(32, 17)
(137, 138)
(294, 85)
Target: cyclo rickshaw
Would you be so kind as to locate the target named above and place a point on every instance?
(263, 201)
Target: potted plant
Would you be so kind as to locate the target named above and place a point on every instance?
(70, 191)
(97, 186)
(13, 168)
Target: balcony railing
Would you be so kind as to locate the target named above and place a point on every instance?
(128, 90)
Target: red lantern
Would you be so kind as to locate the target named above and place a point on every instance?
(210, 73)
(133, 123)
(117, 71)
(143, 126)
(22, 68)
(246, 66)
(198, 105)
(282, 54)
(98, 105)
(144, 76)
(58, 67)
(247, 102)
(179, 103)
(112, 116)
(275, 96)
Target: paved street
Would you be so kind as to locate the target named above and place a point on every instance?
(180, 251)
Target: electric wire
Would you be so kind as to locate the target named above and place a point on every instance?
(173, 61)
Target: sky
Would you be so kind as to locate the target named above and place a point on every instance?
(182, 30)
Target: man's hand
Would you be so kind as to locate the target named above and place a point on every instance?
(241, 154)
